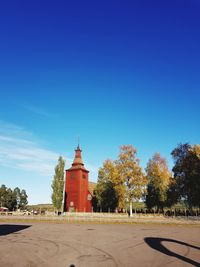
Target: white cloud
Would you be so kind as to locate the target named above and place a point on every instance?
(19, 149)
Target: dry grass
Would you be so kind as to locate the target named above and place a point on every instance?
(101, 220)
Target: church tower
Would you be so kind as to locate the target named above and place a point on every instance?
(77, 195)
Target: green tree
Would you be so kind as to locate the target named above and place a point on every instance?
(159, 179)
(10, 199)
(187, 173)
(13, 199)
(172, 193)
(58, 184)
(131, 174)
(105, 192)
(17, 193)
(23, 199)
(3, 196)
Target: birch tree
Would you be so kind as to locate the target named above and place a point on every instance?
(131, 174)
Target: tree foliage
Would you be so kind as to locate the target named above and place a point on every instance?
(187, 173)
(106, 195)
(159, 180)
(23, 199)
(58, 184)
(123, 181)
(120, 181)
(17, 193)
(13, 199)
(131, 174)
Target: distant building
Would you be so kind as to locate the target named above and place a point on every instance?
(78, 191)
(3, 209)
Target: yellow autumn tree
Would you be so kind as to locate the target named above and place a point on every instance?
(105, 193)
(110, 189)
(131, 175)
(159, 180)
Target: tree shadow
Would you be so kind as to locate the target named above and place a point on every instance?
(6, 229)
(156, 243)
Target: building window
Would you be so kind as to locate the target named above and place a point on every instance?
(84, 176)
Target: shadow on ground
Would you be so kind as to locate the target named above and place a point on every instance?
(6, 229)
(156, 243)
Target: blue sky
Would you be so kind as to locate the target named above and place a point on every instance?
(111, 72)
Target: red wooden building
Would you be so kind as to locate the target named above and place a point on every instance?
(77, 195)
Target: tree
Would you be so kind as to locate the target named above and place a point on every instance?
(105, 192)
(17, 196)
(195, 175)
(13, 199)
(172, 193)
(58, 184)
(23, 199)
(3, 196)
(10, 199)
(159, 179)
(131, 174)
(187, 173)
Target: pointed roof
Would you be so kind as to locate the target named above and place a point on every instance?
(78, 158)
(78, 162)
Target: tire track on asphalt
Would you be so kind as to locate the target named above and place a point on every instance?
(107, 255)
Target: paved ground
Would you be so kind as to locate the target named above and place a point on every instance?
(47, 244)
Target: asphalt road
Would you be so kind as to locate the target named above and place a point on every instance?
(97, 245)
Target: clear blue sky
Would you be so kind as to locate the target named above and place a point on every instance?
(112, 72)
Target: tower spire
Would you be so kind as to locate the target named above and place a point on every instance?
(78, 147)
(78, 158)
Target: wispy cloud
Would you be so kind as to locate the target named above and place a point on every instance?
(38, 110)
(19, 149)
(9, 130)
